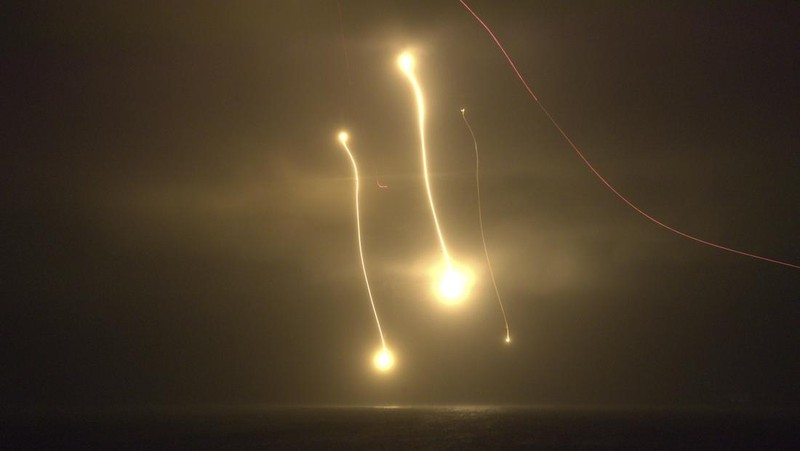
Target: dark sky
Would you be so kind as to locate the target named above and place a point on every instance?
(178, 226)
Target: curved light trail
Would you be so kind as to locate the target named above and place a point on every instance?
(597, 174)
(454, 284)
(383, 359)
(480, 221)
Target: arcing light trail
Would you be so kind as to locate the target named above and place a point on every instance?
(480, 221)
(383, 359)
(454, 283)
(594, 171)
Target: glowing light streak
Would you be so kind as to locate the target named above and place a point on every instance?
(596, 173)
(383, 359)
(455, 284)
(480, 221)
(406, 62)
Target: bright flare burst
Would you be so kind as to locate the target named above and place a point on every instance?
(383, 360)
(480, 221)
(454, 285)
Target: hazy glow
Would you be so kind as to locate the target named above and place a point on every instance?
(343, 139)
(384, 360)
(480, 221)
(452, 287)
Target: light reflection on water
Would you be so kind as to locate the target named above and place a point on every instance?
(407, 427)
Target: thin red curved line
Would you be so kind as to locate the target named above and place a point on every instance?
(602, 179)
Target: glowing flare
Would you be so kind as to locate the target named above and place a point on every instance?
(406, 62)
(383, 360)
(480, 221)
(343, 139)
(453, 286)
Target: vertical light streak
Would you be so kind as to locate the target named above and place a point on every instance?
(383, 359)
(406, 62)
(480, 221)
(454, 283)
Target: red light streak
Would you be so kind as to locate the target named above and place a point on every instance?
(597, 174)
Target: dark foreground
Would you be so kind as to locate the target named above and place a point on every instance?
(403, 428)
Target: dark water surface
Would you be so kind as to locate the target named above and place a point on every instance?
(463, 427)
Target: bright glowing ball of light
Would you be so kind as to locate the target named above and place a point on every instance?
(406, 62)
(343, 136)
(384, 360)
(508, 339)
(453, 286)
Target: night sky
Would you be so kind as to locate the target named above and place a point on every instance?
(178, 225)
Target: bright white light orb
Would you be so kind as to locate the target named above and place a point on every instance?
(453, 286)
(343, 136)
(406, 62)
(508, 339)
(384, 360)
